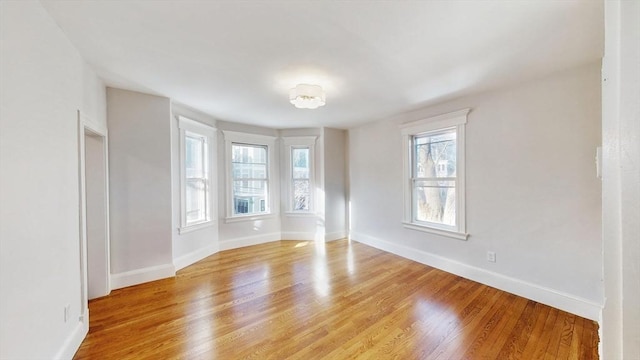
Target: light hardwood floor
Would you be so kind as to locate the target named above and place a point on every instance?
(342, 300)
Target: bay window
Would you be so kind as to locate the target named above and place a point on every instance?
(195, 174)
(249, 172)
(300, 174)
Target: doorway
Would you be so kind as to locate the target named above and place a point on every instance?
(94, 209)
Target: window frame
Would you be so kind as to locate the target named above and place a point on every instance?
(234, 137)
(299, 142)
(192, 128)
(437, 124)
(247, 176)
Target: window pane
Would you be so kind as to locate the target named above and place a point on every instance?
(250, 154)
(250, 179)
(250, 196)
(194, 157)
(435, 201)
(195, 200)
(249, 171)
(195, 172)
(241, 206)
(300, 163)
(301, 195)
(435, 155)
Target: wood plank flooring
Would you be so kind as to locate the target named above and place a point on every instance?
(340, 300)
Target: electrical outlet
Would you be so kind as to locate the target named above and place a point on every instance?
(67, 312)
(491, 256)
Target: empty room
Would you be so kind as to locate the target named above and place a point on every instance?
(319, 179)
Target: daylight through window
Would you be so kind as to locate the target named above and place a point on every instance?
(300, 178)
(434, 193)
(195, 174)
(250, 178)
(434, 179)
(196, 179)
(300, 173)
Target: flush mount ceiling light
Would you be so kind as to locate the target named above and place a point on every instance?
(305, 96)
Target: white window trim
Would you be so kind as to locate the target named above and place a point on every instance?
(208, 132)
(289, 143)
(456, 120)
(231, 137)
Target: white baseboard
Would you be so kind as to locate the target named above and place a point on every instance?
(194, 256)
(139, 276)
(336, 235)
(249, 240)
(557, 299)
(298, 235)
(307, 236)
(73, 342)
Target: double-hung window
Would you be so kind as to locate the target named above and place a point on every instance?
(300, 174)
(250, 178)
(434, 171)
(300, 179)
(195, 174)
(250, 184)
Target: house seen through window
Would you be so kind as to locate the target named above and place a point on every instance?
(250, 178)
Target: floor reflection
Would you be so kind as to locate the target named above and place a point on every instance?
(287, 300)
(437, 321)
(351, 264)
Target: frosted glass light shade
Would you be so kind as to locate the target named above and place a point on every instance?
(305, 96)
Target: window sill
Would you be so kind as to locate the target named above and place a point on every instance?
(234, 219)
(190, 228)
(431, 230)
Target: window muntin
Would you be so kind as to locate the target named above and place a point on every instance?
(300, 178)
(434, 177)
(249, 176)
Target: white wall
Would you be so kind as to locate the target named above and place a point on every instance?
(43, 83)
(532, 192)
(335, 183)
(244, 233)
(196, 245)
(140, 187)
(621, 180)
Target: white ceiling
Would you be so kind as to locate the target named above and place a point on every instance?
(236, 60)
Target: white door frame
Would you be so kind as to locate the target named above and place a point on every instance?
(88, 127)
